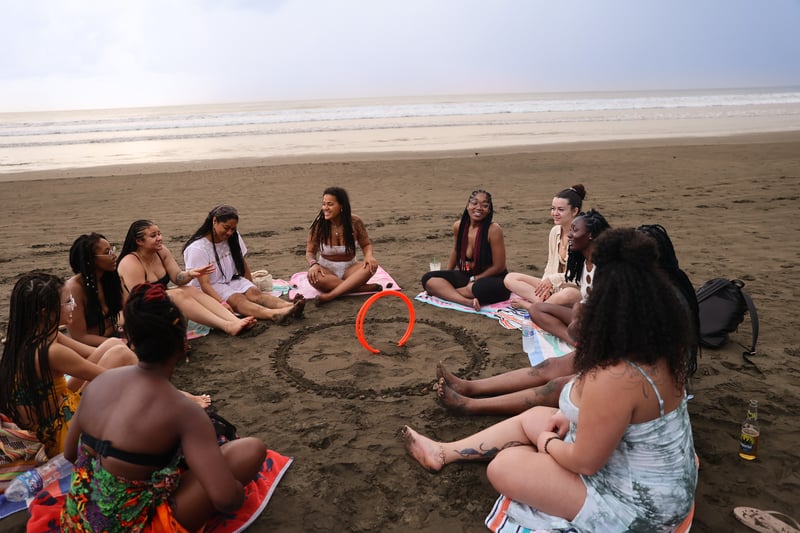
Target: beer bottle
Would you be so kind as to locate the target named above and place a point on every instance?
(748, 441)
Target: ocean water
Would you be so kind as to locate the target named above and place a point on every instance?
(115, 137)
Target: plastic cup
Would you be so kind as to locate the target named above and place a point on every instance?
(434, 266)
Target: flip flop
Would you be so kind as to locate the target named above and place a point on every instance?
(766, 521)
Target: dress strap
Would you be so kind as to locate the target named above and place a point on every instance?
(652, 384)
(143, 266)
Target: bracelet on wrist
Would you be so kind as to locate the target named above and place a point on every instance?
(548, 442)
(312, 264)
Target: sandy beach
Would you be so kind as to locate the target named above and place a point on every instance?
(310, 390)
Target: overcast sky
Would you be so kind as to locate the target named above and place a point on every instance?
(67, 54)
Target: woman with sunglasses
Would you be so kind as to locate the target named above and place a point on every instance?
(96, 289)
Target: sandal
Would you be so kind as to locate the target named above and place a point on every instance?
(766, 521)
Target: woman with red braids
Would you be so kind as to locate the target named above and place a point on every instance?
(477, 264)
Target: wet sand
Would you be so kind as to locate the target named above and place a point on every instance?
(310, 390)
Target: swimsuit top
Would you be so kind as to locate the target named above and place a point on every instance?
(103, 448)
(163, 280)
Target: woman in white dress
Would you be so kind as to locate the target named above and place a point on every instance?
(217, 242)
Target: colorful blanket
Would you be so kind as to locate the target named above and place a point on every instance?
(546, 344)
(301, 285)
(45, 509)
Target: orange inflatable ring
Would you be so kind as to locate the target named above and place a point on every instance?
(362, 314)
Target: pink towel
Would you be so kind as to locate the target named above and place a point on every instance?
(300, 284)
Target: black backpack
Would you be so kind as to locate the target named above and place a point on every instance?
(723, 304)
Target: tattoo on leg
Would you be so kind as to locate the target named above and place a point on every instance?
(483, 453)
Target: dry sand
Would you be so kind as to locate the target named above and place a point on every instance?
(311, 391)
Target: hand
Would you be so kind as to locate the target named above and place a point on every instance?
(202, 271)
(371, 263)
(559, 424)
(544, 289)
(315, 273)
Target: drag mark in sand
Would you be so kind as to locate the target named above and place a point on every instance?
(346, 370)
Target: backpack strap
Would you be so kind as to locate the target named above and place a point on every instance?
(751, 308)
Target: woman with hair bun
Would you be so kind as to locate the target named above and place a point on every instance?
(552, 286)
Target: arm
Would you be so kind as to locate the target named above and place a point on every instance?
(551, 274)
(365, 243)
(64, 360)
(182, 277)
(452, 263)
(73, 434)
(205, 460)
(606, 407)
(498, 252)
(77, 327)
(194, 255)
(131, 273)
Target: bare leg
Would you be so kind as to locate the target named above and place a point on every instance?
(193, 507)
(522, 285)
(507, 382)
(112, 353)
(553, 319)
(521, 430)
(512, 403)
(441, 288)
(195, 308)
(518, 472)
(255, 303)
(203, 400)
(354, 280)
(567, 296)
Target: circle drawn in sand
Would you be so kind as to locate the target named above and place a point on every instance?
(344, 369)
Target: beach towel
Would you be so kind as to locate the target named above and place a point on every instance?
(301, 285)
(45, 509)
(546, 344)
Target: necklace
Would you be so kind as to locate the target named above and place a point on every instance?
(336, 230)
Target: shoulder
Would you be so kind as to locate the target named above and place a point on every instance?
(75, 283)
(129, 261)
(495, 229)
(555, 232)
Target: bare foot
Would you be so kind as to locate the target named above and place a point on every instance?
(237, 326)
(429, 454)
(476, 305)
(203, 400)
(453, 401)
(452, 381)
(283, 317)
(298, 307)
(520, 303)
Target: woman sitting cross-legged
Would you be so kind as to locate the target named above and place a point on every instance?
(477, 264)
(331, 249)
(618, 455)
(146, 457)
(145, 259)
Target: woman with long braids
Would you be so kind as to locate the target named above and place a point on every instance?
(477, 263)
(145, 259)
(34, 390)
(146, 458)
(96, 288)
(218, 249)
(331, 249)
(618, 454)
(555, 318)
